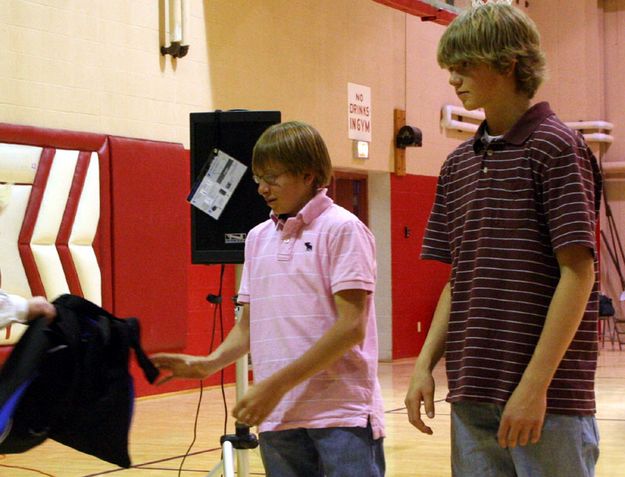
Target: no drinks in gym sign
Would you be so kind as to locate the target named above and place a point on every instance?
(359, 112)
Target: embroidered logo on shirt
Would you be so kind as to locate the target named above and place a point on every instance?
(308, 246)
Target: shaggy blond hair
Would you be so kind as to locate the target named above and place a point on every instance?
(499, 35)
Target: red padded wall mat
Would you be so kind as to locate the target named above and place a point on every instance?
(151, 238)
(416, 283)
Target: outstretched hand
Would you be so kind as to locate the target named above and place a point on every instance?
(181, 366)
(38, 306)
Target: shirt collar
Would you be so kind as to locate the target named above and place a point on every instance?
(313, 209)
(522, 129)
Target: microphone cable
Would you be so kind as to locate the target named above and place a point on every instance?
(217, 301)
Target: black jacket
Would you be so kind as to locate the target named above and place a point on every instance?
(69, 381)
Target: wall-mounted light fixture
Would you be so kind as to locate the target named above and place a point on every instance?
(360, 149)
(177, 13)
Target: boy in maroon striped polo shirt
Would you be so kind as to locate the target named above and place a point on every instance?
(514, 214)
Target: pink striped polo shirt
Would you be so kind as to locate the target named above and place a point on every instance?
(292, 270)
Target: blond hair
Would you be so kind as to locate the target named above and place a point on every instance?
(296, 146)
(499, 35)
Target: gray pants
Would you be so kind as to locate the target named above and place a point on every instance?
(568, 447)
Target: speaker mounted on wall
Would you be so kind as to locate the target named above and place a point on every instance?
(235, 133)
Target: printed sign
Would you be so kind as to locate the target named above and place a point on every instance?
(213, 191)
(359, 112)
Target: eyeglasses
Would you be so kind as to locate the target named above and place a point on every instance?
(269, 179)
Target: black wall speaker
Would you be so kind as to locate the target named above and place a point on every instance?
(235, 133)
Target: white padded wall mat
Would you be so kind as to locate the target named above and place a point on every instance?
(18, 169)
(18, 164)
(83, 234)
(11, 217)
(53, 203)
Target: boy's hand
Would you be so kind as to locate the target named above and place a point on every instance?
(257, 404)
(39, 306)
(421, 389)
(182, 366)
(522, 418)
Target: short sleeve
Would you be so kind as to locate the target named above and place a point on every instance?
(243, 296)
(352, 257)
(571, 188)
(436, 236)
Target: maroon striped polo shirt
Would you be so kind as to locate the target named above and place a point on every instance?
(501, 210)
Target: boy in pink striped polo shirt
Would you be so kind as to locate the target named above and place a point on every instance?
(308, 320)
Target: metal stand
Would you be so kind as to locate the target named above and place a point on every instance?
(238, 443)
(235, 444)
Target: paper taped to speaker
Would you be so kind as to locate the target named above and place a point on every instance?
(214, 188)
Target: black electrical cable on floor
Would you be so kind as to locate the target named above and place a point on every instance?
(195, 424)
(217, 301)
(27, 469)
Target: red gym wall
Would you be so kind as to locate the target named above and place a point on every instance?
(143, 250)
(142, 242)
(203, 323)
(416, 283)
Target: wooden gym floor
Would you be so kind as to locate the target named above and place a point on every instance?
(163, 429)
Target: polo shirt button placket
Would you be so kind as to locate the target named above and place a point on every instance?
(285, 251)
(489, 153)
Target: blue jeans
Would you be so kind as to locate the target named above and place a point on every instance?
(568, 446)
(330, 452)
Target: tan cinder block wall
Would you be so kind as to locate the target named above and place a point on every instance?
(427, 90)
(613, 50)
(95, 65)
(298, 56)
(586, 58)
(572, 36)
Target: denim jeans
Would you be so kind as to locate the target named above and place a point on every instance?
(330, 452)
(568, 446)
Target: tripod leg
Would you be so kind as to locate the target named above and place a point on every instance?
(243, 467)
(242, 369)
(243, 463)
(225, 466)
(217, 470)
(228, 453)
(228, 459)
